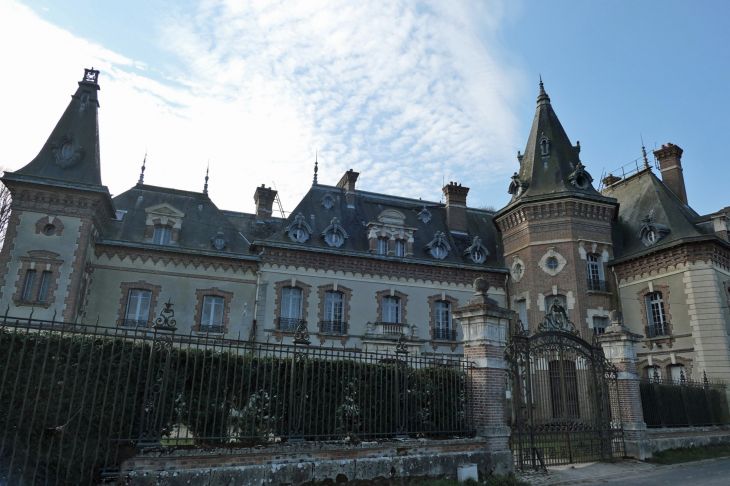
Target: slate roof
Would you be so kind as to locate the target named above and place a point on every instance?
(202, 221)
(78, 123)
(548, 176)
(368, 206)
(637, 196)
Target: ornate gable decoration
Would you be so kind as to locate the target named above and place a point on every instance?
(67, 150)
(334, 234)
(424, 215)
(651, 232)
(328, 201)
(166, 214)
(391, 225)
(219, 241)
(438, 247)
(580, 178)
(299, 230)
(476, 252)
(517, 187)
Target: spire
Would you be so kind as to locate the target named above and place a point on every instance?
(315, 168)
(542, 97)
(71, 153)
(643, 152)
(205, 187)
(141, 174)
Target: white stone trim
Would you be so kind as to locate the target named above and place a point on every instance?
(523, 296)
(513, 270)
(595, 313)
(552, 253)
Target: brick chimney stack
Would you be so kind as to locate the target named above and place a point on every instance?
(456, 206)
(264, 199)
(348, 182)
(670, 165)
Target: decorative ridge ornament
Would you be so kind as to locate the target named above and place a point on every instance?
(517, 186)
(328, 201)
(141, 174)
(334, 234)
(438, 247)
(424, 215)
(476, 252)
(219, 241)
(299, 230)
(650, 233)
(556, 319)
(580, 178)
(91, 76)
(67, 150)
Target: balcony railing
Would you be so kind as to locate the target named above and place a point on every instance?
(657, 330)
(214, 329)
(392, 330)
(444, 334)
(289, 324)
(334, 327)
(134, 322)
(599, 285)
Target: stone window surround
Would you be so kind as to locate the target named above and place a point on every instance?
(442, 297)
(200, 294)
(294, 283)
(516, 260)
(600, 312)
(347, 293)
(45, 221)
(549, 254)
(392, 293)
(163, 215)
(641, 295)
(664, 364)
(391, 227)
(40, 261)
(140, 285)
(569, 297)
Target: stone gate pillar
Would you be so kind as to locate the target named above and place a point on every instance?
(619, 346)
(485, 326)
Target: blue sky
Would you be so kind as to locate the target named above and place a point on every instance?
(409, 93)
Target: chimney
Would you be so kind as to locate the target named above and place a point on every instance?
(611, 180)
(264, 199)
(670, 165)
(348, 183)
(456, 206)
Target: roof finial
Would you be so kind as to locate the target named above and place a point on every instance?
(141, 174)
(643, 152)
(205, 187)
(542, 96)
(315, 168)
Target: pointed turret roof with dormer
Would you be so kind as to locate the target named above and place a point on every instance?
(550, 166)
(70, 156)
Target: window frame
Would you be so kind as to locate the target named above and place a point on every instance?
(382, 246)
(136, 314)
(400, 248)
(522, 313)
(604, 322)
(210, 303)
(45, 286)
(29, 285)
(392, 303)
(165, 235)
(654, 301)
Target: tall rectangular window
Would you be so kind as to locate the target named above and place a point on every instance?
(162, 235)
(382, 246)
(138, 308)
(212, 319)
(334, 303)
(400, 248)
(45, 285)
(522, 311)
(291, 309)
(391, 310)
(29, 285)
(443, 320)
(658, 325)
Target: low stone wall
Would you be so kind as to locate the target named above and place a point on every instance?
(662, 439)
(312, 463)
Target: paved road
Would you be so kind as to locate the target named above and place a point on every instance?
(714, 473)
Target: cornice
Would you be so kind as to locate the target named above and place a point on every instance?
(556, 208)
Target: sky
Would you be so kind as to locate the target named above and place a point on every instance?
(410, 93)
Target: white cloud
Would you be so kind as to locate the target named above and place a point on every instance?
(406, 92)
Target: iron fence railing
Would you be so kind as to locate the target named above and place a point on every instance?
(683, 403)
(289, 324)
(444, 334)
(75, 401)
(597, 285)
(334, 327)
(134, 322)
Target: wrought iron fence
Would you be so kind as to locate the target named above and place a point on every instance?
(683, 403)
(289, 324)
(334, 327)
(76, 401)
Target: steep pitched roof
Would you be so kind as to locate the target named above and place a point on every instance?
(71, 153)
(643, 196)
(367, 209)
(550, 165)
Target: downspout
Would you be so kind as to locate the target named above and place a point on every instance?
(618, 292)
(508, 304)
(252, 336)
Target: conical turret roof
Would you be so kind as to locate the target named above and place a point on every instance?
(550, 166)
(71, 153)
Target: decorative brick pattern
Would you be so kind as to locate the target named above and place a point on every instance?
(78, 266)
(278, 286)
(215, 291)
(41, 261)
(432, 318)
(665, 365)
(403, 303)
(708, 252)
(8, 246)
(641, 295)
(45, 221)
(141, 284)
(347, 293)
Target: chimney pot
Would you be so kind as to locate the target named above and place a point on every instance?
(348, 182)
(670, 165)
(264, 198)
(456, 206)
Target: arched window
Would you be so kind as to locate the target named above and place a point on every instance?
(334, 303)
(391, 310)
(162, 235)
(443, 329)
(678, 373)
(291, 309)
(595, 272)
(653, 373)
(656, 317)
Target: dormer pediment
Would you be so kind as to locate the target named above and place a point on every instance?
(164, 209)
(164, 215)
(392, 217)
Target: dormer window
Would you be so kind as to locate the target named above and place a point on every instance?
(400, 248)
(382, 246)
(650, 233)
(391, 226)
(162, 235)
(299, 230)
(477, 252)
(334, 235)
(438, 247)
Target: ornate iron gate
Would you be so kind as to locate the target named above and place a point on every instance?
(564, 396)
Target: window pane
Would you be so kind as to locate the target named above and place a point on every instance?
(391, 309)
(382, 246)
(443, 315)
(400, 248)
(29, 283)
(599, 325)
(677, 373)
(45, 284)
(143, 306)
(522, 310)
(291, 303)
(162, 235)
(333, 304)
(207, 311)
(217, 317)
